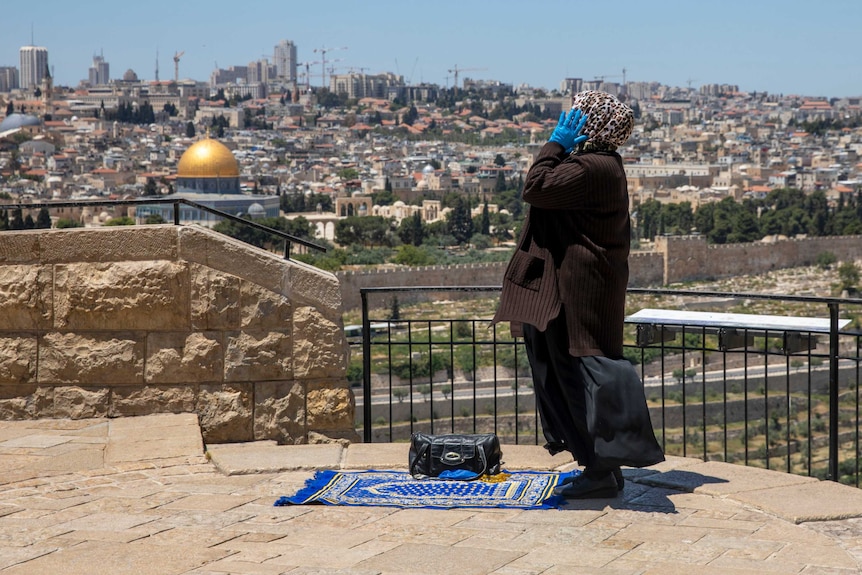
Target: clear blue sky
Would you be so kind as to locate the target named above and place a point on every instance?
(781, 46)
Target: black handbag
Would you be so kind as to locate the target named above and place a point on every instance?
(462, 456)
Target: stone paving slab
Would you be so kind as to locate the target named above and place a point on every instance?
(269, 457)
(185, 514)
(813, 501)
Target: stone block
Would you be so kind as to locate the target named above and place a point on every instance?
(264, 309)
(319, 346)
(329, 407)
(26, 402)
(25, 297)
(314, 286)
(20, 247)
(257, 356)
(74, 402)
(109, 244)
(175, 357)
(215, 299)
(225, 412)
(228, 255)
(279, 411)
(18, 356)
(131, 295)
(148, 399)
(91, 359)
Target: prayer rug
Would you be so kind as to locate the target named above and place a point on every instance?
(519, 489)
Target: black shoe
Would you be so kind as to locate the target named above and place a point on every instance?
(617, 473)
(583, 487)
(621, 481)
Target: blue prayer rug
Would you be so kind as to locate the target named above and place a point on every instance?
(519, 489)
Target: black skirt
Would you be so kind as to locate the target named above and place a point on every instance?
(593, 406)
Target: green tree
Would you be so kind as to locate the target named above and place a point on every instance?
(412, 230)
(190, 130)
(459, 222)
(410, 255)
(485, 224)
(848, 276)
(150, 188)
(121, 221)
(154, 219)
(43, 220)
(29, 222)
(68, 223)
(17, 222)
(367, 231)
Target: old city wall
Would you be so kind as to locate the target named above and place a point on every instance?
(690, 258)
(675, 259)
(645, 269)
(136, 320)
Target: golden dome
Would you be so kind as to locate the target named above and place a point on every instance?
(208, 159)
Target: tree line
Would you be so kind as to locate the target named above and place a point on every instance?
(786, 211)
(18, 221)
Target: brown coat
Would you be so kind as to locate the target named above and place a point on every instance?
(573, 251)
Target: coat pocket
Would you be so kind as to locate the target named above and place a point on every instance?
(526, 270)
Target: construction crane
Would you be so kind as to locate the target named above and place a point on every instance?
(307, 73)
(456, 70)
(177, 56)
(323, 52)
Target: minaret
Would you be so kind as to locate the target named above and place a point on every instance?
(48, 91)
(157, 66)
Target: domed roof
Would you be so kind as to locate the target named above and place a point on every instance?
(15, 121)
(208, 159)
(256, 210)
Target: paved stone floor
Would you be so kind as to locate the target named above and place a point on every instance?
(141, 495)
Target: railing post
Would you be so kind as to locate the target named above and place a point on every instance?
(366, 370)
(176, 213)
(833, 392)
(286, 249)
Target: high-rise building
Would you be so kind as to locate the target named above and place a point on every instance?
(100, 72)
(34, 66)
(259, 71)
(284, 57)
(8, 78)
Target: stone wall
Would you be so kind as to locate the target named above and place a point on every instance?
(136, 320)
(645, 269)
(675, 259)
(690, 258)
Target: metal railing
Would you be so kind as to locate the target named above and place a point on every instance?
(779, 398)
(176, 202)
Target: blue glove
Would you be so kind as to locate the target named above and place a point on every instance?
(568, 130)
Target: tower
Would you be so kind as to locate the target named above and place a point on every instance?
(34, 65)
(284, 58)
(99, 71)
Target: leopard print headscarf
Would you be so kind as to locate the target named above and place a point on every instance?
(609, 121)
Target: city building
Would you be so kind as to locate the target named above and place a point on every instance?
(284, 57)
(208, 174)
(8, 78)
(100, 72)
(33, 67)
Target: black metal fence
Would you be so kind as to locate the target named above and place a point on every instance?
(778, 390)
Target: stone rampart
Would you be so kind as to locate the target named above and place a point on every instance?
(689, 258)
(136, 320)
(645, 269)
